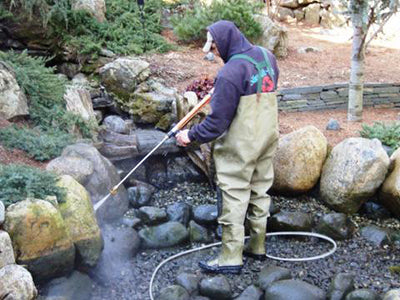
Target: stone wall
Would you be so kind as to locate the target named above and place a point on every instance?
(336, 96)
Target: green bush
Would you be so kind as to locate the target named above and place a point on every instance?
(192, 25)
(388, 134)
(18, 182)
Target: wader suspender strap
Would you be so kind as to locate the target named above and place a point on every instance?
(259, 66)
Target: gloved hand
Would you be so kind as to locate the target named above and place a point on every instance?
(182, 137)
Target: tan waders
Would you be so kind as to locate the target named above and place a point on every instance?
(243, 161)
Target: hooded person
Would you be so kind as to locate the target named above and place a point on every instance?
(244, 125)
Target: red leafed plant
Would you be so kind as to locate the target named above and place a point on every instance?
(201, 87)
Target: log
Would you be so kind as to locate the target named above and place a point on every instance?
(147, 139)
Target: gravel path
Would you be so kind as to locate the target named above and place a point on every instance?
(369, 263)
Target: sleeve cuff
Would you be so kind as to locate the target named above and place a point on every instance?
(191, 136)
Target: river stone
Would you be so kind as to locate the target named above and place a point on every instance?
(341, 285)
(392, 295)
(270, 274)
(274, 37)
(116, 124)
(389, 194)
(122, 75)
(298, 160)
(362, 294)
(165, 235)
(77, 286)
(352, 173)
(206, 214)
(117, 146)
(78, 101)
(198, 233)
(290, 221)
(96, 8)
(81, 222)
(189, 281)
(79, 168)
(333, 125)
(173, 292)
(2, 213)
(250, 293)
(102, 180)
(121, 243)
(180, 212)
(16, 284)
(181, 169)
(336, 225)
(157, 173)
(151, 215)
(217, 287)
(141, 194)
(6, 250)
(293, 289)
(375, 211)
(52, 252)
(312, 12)
(375, 235)
(13, 101)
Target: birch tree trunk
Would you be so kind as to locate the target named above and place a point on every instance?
(359, 9)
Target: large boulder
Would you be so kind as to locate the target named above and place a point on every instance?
(103, 178)
(6, 252)
(274, 37)
(78, 101)
(13, 101)
(96, 8)
(16, 283)
(165, 235)
(122, 75)
(298, 160)
(81, 222)
(352, 173)
(40, 238)
(389, 194)
(312, 14)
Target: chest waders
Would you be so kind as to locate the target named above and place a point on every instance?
(243, 161)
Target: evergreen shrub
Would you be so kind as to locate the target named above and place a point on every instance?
(192, 25)
(18, 182)
(388, 134)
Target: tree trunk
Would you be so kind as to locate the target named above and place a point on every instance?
(359, 17)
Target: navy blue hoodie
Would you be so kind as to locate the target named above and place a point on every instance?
(236, 78)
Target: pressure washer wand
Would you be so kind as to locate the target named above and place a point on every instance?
(182, 123)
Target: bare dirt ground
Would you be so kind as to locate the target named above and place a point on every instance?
(331, 64)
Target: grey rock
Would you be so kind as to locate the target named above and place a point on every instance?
(6, 252)
(293, 289)
(173, 292)
(116, 124)
(352, 173)
(17, 283)
(78, 101)
(217, 287)
(333, 125)
(164, 235)
(131, 221)
(200, 298)
(285, 13)
(157, 173)
(179, 212)
(68, 69)
(336, 225)
(77, 167)
(117, 146)
(13, 101)
(289, 3)
(308, 49)
(99, 184)
(270, 274)
(392, 295)
(312, 12)
(250, 293)
(205, 214)
(189, 281)
(375, 211)
(209, 56)
(2, 213)
(340, 286)
(96, 8)
(77, 286)
(198, 233)
(141, 194)
(290, 221)
(151, 215)
(182, 169)
(107, 53)
(375, 235)
(362, 294)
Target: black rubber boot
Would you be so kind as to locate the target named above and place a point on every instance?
(213, 267)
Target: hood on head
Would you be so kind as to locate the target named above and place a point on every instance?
(228, 38)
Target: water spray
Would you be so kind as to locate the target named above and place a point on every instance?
(182, 123)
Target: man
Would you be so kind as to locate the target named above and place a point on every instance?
(243, 123)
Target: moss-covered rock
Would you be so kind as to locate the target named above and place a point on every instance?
(41, 241)
(81, 222)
